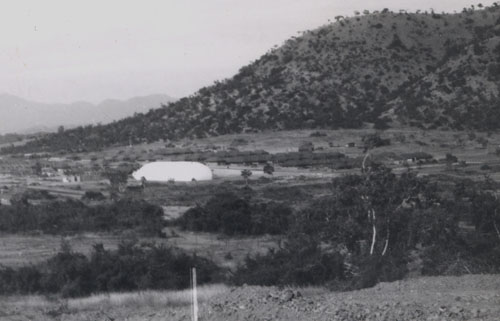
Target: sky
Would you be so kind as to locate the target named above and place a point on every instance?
(65, 51)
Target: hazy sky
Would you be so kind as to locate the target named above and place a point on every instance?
(61, 51)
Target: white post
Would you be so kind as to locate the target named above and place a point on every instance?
(195, 296)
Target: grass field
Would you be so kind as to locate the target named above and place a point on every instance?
(17, 250)
(403, 140)
(101, 306)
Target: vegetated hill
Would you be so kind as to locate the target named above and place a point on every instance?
(22, 116)
(421, 69)
(463, 92)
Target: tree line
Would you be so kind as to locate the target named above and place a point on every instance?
(131, 267)
(71, 216)
(231, 214)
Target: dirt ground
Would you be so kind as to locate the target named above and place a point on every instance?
(471, 297)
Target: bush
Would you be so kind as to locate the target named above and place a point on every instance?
(93, 196)
(129, 268)
(229, 214)
(318, 134)
(374, 140)
(375, 269)
(301, 262)
(381, 124)
(57, 217)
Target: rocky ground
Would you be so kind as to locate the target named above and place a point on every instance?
(472, 297)
(440, 298)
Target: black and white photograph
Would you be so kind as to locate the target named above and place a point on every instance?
(265, 160)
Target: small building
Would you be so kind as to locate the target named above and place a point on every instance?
(57, 159)
(71, 179)
(49, 172)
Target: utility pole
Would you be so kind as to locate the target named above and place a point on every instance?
(195, 295)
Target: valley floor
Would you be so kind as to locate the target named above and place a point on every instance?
(470, 297)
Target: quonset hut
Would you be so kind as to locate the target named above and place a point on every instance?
(173, 171)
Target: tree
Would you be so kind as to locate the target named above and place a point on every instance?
(117, 179)
(383, 195)
(485, 207)
(37, 169)
(449, 160)
(372, 141)
(246, 173)
(268, 169)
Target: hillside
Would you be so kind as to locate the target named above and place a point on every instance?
(388, 69)
(18, 115)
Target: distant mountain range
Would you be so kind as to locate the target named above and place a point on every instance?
(378, 69)
(22, 116)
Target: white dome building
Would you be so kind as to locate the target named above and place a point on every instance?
(176, 171)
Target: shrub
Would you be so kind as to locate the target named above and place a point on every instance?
(374, 140)
(129, 268)
(57, 217)
(318, 134)
(300, 262)
(229, 214)
(485, 167)
(381, 124)
(93, 196)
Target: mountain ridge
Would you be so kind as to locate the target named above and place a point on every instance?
(19, 115)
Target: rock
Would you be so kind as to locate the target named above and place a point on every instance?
(456, 310)
(484, 311)
(287, 296)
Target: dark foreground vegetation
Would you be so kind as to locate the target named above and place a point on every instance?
(375, 226)
(233, 215)
(381, 227)
(131, 267)
(70, 216)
